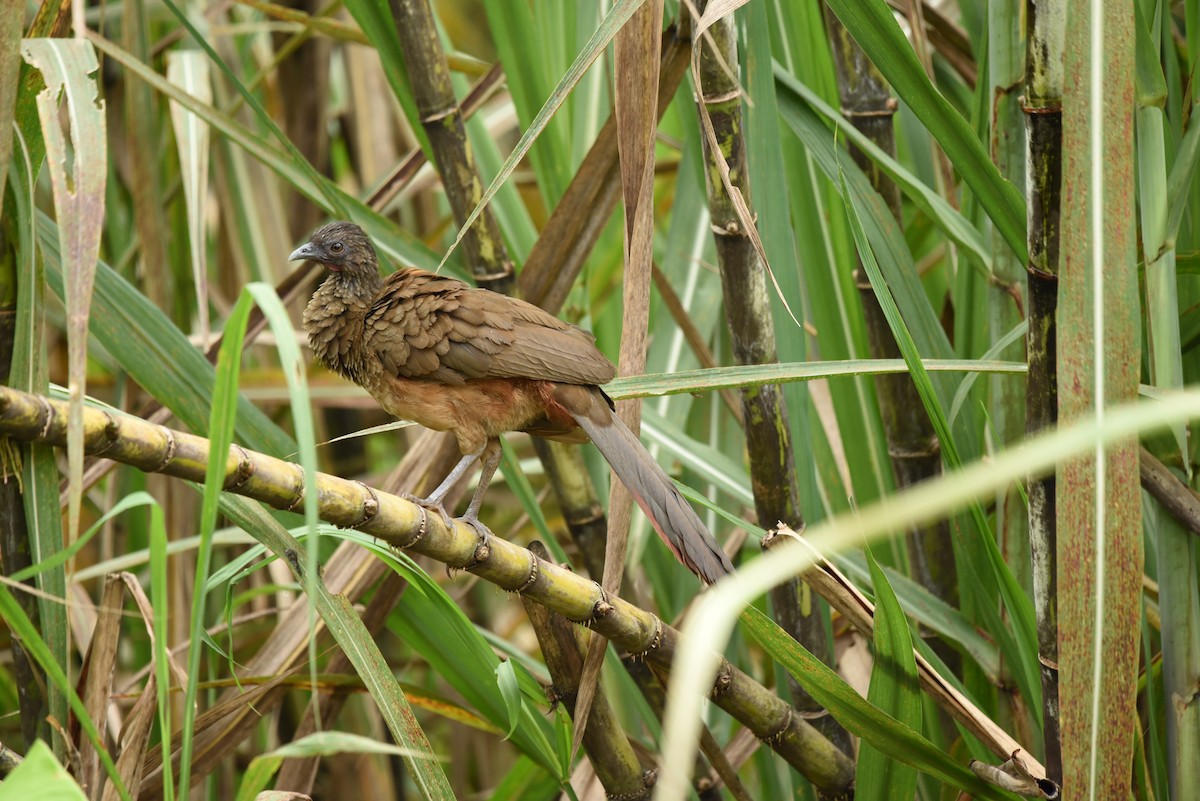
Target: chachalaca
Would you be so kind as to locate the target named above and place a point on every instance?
(441, 353)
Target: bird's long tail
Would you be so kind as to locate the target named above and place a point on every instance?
(668, 511)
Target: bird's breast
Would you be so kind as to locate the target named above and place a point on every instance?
(475, 410)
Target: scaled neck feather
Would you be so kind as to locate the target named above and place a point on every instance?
(334, 321)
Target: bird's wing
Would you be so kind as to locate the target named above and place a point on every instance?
(428, 326)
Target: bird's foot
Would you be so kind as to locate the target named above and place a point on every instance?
(432, 504)
(483, 548)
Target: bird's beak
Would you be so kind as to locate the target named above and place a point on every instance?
(305, 252)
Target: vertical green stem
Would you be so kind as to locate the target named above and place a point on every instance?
(1099, 505)
(1006, 290)
(1175, 546)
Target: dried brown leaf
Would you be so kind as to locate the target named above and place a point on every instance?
(97, 679)
(636, 52)
(218, 731)
(134, 736)
(147, 613)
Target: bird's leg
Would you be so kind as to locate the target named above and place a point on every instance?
(490, 460)
(435, 502)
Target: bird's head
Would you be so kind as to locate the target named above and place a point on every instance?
(342, 247)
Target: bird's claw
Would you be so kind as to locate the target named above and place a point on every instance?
(482, 546)
(474, 522)
(432, 505)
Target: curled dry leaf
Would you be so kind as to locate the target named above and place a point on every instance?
(1014, 777)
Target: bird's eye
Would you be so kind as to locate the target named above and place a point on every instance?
(337, 247)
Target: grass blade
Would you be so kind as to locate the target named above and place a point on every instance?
(895, 691)
(949, 220)
(189, 70)
(875, 29)
(39, 471)
(862, 718)
(79, 204)
(220, 432)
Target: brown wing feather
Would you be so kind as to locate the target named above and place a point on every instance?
(427, 326)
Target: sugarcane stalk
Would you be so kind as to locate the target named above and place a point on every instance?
(1043, 125)
(604, 739)
(1099, 511)
(433, 92)
(407, 526)
(752, 335)
(912, 444)
(1006, 289)
(582, 512)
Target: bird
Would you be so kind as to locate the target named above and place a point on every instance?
(435, 350)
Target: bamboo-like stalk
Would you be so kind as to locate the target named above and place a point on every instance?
(429, 76)
(656, 696)
(1099, 509)
(407, 526)
(1006, 290)
(582, 512)
(752, 335)
(912, 444)
(604, 739)
(744, 283)
(1043, 125)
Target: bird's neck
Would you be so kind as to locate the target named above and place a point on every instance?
(334, 321)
